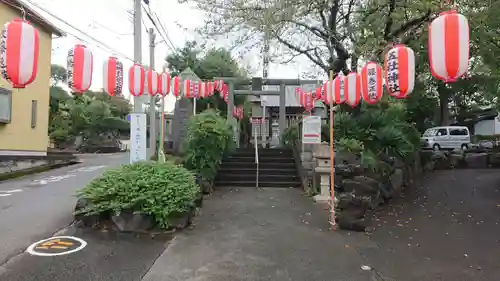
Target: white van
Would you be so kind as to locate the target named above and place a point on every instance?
(446, 138)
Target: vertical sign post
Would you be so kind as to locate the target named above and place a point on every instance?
(138, 147)
(332, 157)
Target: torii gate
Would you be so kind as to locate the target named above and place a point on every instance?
(257, 83)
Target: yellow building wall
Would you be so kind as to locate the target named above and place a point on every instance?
(18, 137)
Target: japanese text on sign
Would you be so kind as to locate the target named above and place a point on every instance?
(392, 72)
(138, 149)
(311, 130)
(372, 83)
(341, 87)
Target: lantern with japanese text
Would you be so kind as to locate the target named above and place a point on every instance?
(153, 81)
(113, 76)
(176, 86)
(371, 82)
(399, 67)
(191, 89)
(352, 89)
(79, 68)
(19, 50)
(136, 79)
(449, 46)
(164, 84)
(338, 87)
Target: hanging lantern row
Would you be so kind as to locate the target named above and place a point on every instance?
(448, 46)
(238, 112)
(306, 99)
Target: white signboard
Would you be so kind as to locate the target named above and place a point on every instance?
(138, 149)
(311, 130)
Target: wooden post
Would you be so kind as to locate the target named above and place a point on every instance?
(332, 157)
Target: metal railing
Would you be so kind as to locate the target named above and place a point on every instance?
(256, 145)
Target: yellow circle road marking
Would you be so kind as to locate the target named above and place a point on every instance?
(56, 246)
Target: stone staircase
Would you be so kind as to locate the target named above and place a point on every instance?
(276, 169)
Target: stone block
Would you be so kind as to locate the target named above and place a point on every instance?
(322, 151)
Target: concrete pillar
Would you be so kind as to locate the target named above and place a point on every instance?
(282, 117)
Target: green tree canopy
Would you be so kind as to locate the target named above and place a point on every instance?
(207, 65)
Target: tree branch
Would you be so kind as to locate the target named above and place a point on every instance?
(388, 20)
(410, 24)
(313, 29)
(315, 57)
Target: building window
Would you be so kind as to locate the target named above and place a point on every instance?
(34, 104)
(5, 105)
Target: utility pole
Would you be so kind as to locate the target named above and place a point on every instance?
(152, 104)
(137, 46)
(138, 120)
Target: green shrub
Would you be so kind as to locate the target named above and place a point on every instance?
(162, 190)
(208, 138)
(291, 136)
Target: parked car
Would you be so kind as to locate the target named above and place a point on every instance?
(446, 138)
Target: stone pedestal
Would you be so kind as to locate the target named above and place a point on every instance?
(322, 155)
(275, 130)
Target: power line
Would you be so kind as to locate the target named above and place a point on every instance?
(165, 38)
(96, 42)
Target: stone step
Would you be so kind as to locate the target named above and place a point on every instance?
(262, 159)
(226, 183)
(262, 177)
(264, 165)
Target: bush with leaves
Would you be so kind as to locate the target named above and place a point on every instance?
(376, 131)
(208, 138)
(162, 190)
(291, 136)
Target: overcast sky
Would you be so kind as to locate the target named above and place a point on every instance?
(109, 21)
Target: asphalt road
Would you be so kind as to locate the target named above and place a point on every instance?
(36, 206)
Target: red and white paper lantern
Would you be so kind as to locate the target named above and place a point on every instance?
(153, 81)
(225, 92)
(238, 112)
(203, 89)
(352, 89)
(339, 89)
(176, 86)
(308, 101)
(79, 68)
(210, 88)
(219, 85)
(136, 79)
(318, 95)
(191, 89)
(371, 82)
(19, 48)
(164, 84)
(449, 46)
(113, 76)
(399, 72)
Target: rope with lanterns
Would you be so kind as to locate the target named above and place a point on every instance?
(448, 58)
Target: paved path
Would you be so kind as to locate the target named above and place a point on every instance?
(447, 230)
(35, 206)
(268, 235)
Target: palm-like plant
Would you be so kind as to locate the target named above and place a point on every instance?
(380, 130)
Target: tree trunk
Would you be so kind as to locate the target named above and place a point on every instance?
(444, 97)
